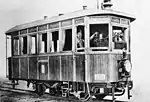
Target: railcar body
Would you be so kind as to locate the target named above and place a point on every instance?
(50, 54)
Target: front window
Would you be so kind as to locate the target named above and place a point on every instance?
(119, 37)
(99, 36)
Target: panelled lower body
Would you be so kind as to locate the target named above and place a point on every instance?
(81, 75)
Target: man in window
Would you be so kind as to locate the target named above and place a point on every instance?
(80, 41)
(97, 40)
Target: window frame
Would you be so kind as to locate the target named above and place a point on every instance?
(100, 48)
(50, 36)
(126, 36)
(40, 40)
(30, 42)
(62, 35)
(82, 49)
(21, 45)
(13, 45)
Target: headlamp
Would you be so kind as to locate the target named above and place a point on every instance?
(128, 66)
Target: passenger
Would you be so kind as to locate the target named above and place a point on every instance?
(118, 37)
(80, 41)
(95, 39)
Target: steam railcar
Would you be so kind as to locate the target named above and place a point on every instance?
(85, 54)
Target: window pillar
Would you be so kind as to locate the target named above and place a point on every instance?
(110, 37)
(73, 35)
(86, 34)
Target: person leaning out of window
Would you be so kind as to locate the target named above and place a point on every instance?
(80, 41)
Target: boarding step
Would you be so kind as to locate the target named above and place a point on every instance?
(10, 83)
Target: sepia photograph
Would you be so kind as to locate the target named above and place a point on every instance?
(74, 51)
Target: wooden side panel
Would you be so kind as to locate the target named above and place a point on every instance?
(43, 67)
(99, 64)
(67, 67)
(15, 69)
(43, 58)
(113, 69)
(43, 70)
(24, 68)
(80, 68)
(54, 68)
(33, 67)
(10, 73)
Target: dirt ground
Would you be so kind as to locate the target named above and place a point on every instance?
(17, 97)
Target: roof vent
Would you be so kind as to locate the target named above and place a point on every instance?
(107, 4)
(84, 7)
(45, 17)
(60, 14)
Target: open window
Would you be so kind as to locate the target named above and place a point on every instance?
(24, 45)
(43, 43)
(80, 39)
(119, 37)
(33, 43)
(16, 46)
(67, 40)
(55, 43)
(99, 37)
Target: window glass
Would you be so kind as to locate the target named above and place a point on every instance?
(42, 27)
(99, 36)
(33, 29)
(80, 37)
(55, 43)
(24, 45)
(16, 46)
(53, 25)
(15, 33)
(119, 40)
(67, 40)
(24, 31)
(43, 42)
(33, 43)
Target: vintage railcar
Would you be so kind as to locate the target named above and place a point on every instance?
(84, 53)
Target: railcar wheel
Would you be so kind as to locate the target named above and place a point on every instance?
(100, 97)
(40, 89)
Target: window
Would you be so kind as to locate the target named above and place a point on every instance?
(99, 36)
(42, 27)
(16, 46)
(33, 43)
(43, 42)
(67, 40)
(24, 45)
(55, 43)
(80, 37)
(33, 29)
(24, 31)
(119, 40)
